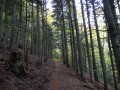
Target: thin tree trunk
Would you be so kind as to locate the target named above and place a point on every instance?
(6, 25)
(73, 37)
(64, 34)
(0, 19)
(13, 24)
(86, 39)
(93, 52)
(112, 64)
(32, 27)
(100, 49)
(78, 42)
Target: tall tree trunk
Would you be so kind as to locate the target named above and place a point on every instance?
(38, 30)
(13, 24)
(73, 37)
(32, 27)
(0, 16)
(114, 16)
(113, 33)
(46, 33)
(100, 48)
(71, 47)
(64, 34)
(78, 41)
(112, 64)
(63, 47)
(21, 29)
(6, 25)
(92, 47)
(86, 39)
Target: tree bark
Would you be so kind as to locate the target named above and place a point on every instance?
(78, 41)
(113, 33)
(100, 49)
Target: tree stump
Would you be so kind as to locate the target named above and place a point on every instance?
(15, 63)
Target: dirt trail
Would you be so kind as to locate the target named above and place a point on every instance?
(64, 78)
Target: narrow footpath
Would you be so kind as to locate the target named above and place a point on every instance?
(64, 78)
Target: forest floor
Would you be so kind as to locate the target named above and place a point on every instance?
(36, 76)
(52, 75)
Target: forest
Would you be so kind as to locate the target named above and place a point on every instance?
(59, 45)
